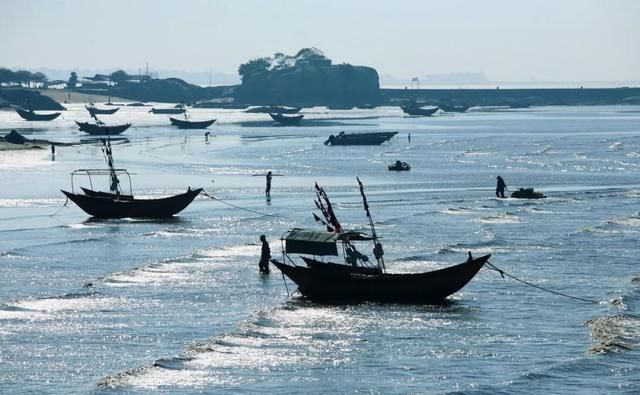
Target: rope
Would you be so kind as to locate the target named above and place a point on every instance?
(238, 207)
(285, 285)
(60, 209)
(503, 273)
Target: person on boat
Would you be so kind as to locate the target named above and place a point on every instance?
(268, 189)
(264, 256)
(500, 187)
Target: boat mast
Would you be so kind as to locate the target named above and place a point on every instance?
(114, 186)
(377, 246)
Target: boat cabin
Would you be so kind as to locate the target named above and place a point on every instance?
(320, 246)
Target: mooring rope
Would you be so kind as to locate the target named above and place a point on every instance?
(60, 209)
(503, 273)
(238, 207)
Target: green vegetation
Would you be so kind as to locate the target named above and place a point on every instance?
(306, 57)
(22, 78)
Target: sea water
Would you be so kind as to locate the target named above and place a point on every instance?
(178, 306)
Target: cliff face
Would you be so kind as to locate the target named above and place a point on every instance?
(309, 85)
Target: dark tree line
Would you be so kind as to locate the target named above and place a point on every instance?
(21, 78)
(306, 57)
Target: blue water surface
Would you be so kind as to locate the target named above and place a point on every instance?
(177, 306)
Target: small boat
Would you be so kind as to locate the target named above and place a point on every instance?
(274, 110)
(400, 166)
(424, 112)
(99, 128)
(374, 138)
(358, 278)
(527, 193)
(457, 108)
(185, 124)
(287, 120)
(93, 110)
(178, 110)
(116, 204)
(30, 115)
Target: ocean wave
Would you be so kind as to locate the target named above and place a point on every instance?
(615, 333)
(632, 220)
(503, 218)
(177, 270)
(617, 146)
(31, 203)
(458, 211)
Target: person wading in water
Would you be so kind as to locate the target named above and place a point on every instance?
(267, 191)
(264, 256)
(500, 187)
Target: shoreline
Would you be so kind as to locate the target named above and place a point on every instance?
(65, 96)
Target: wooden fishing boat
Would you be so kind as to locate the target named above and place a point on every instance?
(115, 203)
(428, 287)
(424, 112)
(373, 138)
(101, 129)
(399, 166)
(360, 279)
(116, 207)
(286, 120)
(93, 110)
(274, 110)
(30, 115)
(178, 110)
(453, 108)
(186, 124)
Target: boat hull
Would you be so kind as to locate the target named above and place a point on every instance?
(454, 108)
(424, 112)
(329, 286)
(167, 110)
(32, 116)
(102, 205)
(360, 138)
(191, 124)
(287, 120)
(102, 130)
(100, 111)
(274, 110)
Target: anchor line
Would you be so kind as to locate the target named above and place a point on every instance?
(60, 209)
(503, 273)
(238, 207)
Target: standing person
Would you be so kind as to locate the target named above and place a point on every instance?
(264, 256)
(268, 190)
(500, 187)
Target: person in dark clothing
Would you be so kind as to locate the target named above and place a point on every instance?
(268, 190)
(500, 187)
(264, 256)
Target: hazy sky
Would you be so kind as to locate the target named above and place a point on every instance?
(559, 40)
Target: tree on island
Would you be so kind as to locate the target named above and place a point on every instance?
(312, 57)
(306, 78)
(73, 80)
(119, 76)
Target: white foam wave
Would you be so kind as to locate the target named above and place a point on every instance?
(55, 305)
(504, 218)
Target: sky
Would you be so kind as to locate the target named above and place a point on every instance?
(507, 40)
